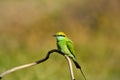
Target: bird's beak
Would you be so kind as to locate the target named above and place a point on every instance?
(54, 35)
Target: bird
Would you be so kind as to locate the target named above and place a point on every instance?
(66, 46)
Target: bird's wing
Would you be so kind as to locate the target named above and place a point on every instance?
(70, 47)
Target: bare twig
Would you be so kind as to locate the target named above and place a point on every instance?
(40, 61)
(30, 64)
(70, 67)
(16, 68)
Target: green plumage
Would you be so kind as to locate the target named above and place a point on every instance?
(66, 46)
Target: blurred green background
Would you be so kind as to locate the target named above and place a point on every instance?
(27, 26)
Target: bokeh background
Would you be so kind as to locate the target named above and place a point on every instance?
(27, 26)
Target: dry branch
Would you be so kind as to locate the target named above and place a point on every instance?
(40, 61)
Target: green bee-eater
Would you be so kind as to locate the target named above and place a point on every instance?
(65, 45)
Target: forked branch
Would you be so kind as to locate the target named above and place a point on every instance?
(30, 64)
(40, 61)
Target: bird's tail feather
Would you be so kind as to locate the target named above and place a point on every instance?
(77, 64)
(79, 67)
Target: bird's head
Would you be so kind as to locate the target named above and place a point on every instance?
(60, 34)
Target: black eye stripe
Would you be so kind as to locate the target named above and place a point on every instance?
(62, 35)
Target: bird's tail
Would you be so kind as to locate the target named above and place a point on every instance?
(79, 67)
(77, 64)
